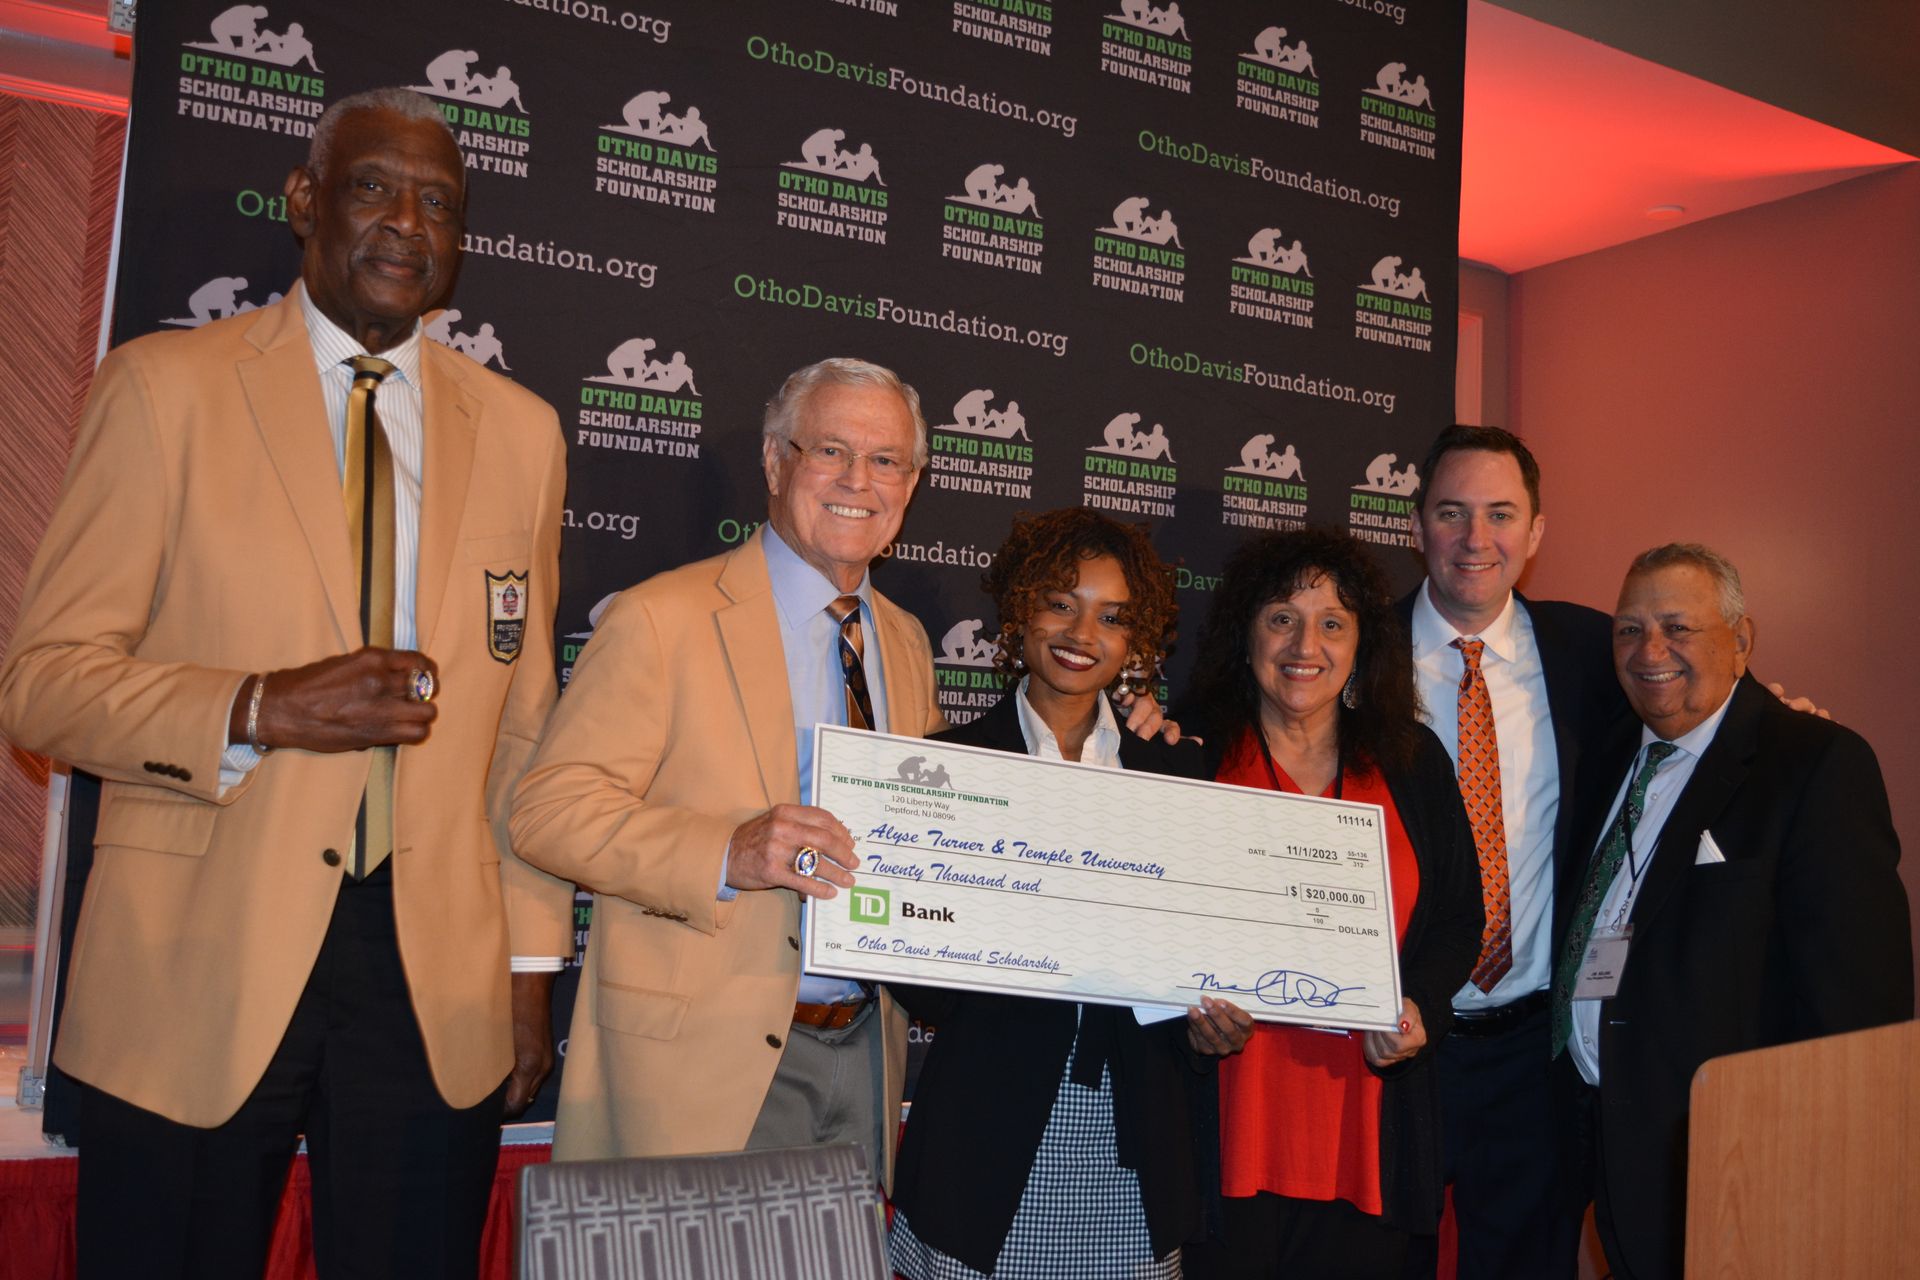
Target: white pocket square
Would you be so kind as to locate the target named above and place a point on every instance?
(1709, 851)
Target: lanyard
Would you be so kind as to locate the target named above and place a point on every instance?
(1636, 866)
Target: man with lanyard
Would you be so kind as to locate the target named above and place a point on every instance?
(1743, 891)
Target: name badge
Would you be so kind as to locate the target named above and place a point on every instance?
(1605, 961)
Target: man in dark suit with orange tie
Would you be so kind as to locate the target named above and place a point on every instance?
(1516, 689)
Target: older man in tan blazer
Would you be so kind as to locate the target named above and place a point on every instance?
(671, 781)
(257, 956)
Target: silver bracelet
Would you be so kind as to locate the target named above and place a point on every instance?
(253, 715)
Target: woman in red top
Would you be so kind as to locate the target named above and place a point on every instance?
(1330, 1142)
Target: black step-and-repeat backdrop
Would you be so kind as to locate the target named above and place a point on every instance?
(1190, 264)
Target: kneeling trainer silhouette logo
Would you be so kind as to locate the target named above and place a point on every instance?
(1397, 113)
(658, 156)
(1272, 281)
(1139, 253)
(488, 115)
(643, 404)
(1278, 79)
(1394, 308)
(994, 223)
(833, 190)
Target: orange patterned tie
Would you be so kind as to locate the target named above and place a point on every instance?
(1480, 788)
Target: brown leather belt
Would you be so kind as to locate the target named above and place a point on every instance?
(830, 1017)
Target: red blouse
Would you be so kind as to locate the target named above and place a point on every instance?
(1299, 1110)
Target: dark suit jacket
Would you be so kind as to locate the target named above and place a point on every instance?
(1583, 698)
(987, 1088)
(1801, 932)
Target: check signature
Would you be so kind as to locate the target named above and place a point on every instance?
(1282, 987)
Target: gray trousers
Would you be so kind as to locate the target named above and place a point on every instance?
(827, 1089)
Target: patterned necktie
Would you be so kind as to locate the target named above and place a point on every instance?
(1480, 789)
(1600, 874)
(852, 650)
(367, 487)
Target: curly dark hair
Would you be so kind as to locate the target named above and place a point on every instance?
(1382, 731)
(1043, 552)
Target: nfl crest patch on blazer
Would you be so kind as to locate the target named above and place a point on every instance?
(506, 614)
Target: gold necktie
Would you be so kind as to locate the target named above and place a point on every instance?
(367, 486)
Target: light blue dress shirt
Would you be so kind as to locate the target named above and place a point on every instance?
(809, 637)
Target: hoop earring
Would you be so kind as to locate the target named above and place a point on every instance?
(1350, 694)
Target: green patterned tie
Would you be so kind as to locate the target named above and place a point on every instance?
(1600, 874)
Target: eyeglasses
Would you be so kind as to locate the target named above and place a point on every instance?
(838, 460)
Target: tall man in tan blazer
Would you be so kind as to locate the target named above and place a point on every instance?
(254, 960)
(673, 778)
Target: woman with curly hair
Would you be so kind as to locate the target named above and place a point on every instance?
(1330, 1141)
(1048, 1138)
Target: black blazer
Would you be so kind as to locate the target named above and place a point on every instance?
(987, 1086)
(1801, 932)
(1583, 700)
(1436, 956)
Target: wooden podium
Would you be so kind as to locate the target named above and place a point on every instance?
(1804, 1160)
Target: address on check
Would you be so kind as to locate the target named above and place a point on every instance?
(991, 871)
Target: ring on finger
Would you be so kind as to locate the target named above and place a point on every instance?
(420, 685)
(806, 860)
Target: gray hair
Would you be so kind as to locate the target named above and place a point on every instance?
(783, 411)
(405, 103)
(1726, 578)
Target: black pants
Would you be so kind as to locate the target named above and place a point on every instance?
(1283, 1238)
(401, 1180)
(1502, 1157)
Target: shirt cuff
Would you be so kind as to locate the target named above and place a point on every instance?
(538, 964)
(726, 893)
(239, 759)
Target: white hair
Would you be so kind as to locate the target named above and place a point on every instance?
(783, 410)
(405, 103)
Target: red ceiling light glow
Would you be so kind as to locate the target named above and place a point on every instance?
(1569, 144)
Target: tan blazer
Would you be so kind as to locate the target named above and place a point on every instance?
(199, 537)
(676, 727)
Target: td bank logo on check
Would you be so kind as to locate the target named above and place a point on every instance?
(875, 906)
(870, 906)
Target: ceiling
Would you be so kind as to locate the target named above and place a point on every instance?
(1568, 143)
(1847, 63)
(1579, 115)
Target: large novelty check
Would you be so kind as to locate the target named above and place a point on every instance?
(998, 872)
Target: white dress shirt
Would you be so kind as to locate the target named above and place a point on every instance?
(1529, 773)
(400, 408)
(1102, 746)
(397, 404)
(1616, 908)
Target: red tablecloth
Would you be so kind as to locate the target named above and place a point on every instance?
(36, 1219)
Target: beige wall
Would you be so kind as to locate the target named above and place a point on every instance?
(1752, 382)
